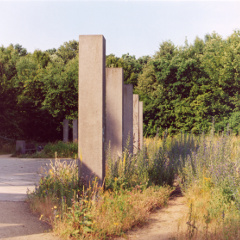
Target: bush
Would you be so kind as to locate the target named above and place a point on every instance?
(63, 150)
(58, 187)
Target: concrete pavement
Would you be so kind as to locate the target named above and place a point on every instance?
(17, 175)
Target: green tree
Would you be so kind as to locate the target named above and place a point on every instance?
(68, 51)
(132, 67)
(61, 97)
(8, 94)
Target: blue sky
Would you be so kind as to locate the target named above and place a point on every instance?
(134, 27)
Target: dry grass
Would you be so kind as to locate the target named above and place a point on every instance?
(117, 213)
(45, 207)
(212, 189)
(110, 214)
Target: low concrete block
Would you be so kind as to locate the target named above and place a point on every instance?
(21, 146)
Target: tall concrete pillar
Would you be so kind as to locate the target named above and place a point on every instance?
(65, 130)
(75, 130)
(91, 106)
(128, 117)
(114, 110)
(135, 123)
(140, 124)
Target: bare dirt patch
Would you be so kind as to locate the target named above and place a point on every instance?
(163, 223)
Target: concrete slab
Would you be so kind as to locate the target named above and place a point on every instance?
(18, 223)
(17, 175)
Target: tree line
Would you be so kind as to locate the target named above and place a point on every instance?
(184, 88)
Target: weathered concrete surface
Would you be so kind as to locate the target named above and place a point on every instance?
(140, 124)
(75, 130)
(17, 175)
(114, 110)
(128, 117)
(91, 106)
(16, 221)
(21, 146)
(135, 123)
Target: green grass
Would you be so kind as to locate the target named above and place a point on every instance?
(63, 150)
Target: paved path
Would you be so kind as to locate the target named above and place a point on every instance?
(16, 221)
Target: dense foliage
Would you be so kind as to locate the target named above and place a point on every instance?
(187, 87)
(183, 88)
(37, 91)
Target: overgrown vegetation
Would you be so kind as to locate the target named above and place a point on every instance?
(211, 183)
(206, 167)
(183, 89)
(96, 213)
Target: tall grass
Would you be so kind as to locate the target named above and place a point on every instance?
(129, 196)
(211, 182)
(206, 167)
(57, 189)
(102, 214)
(158, 163)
